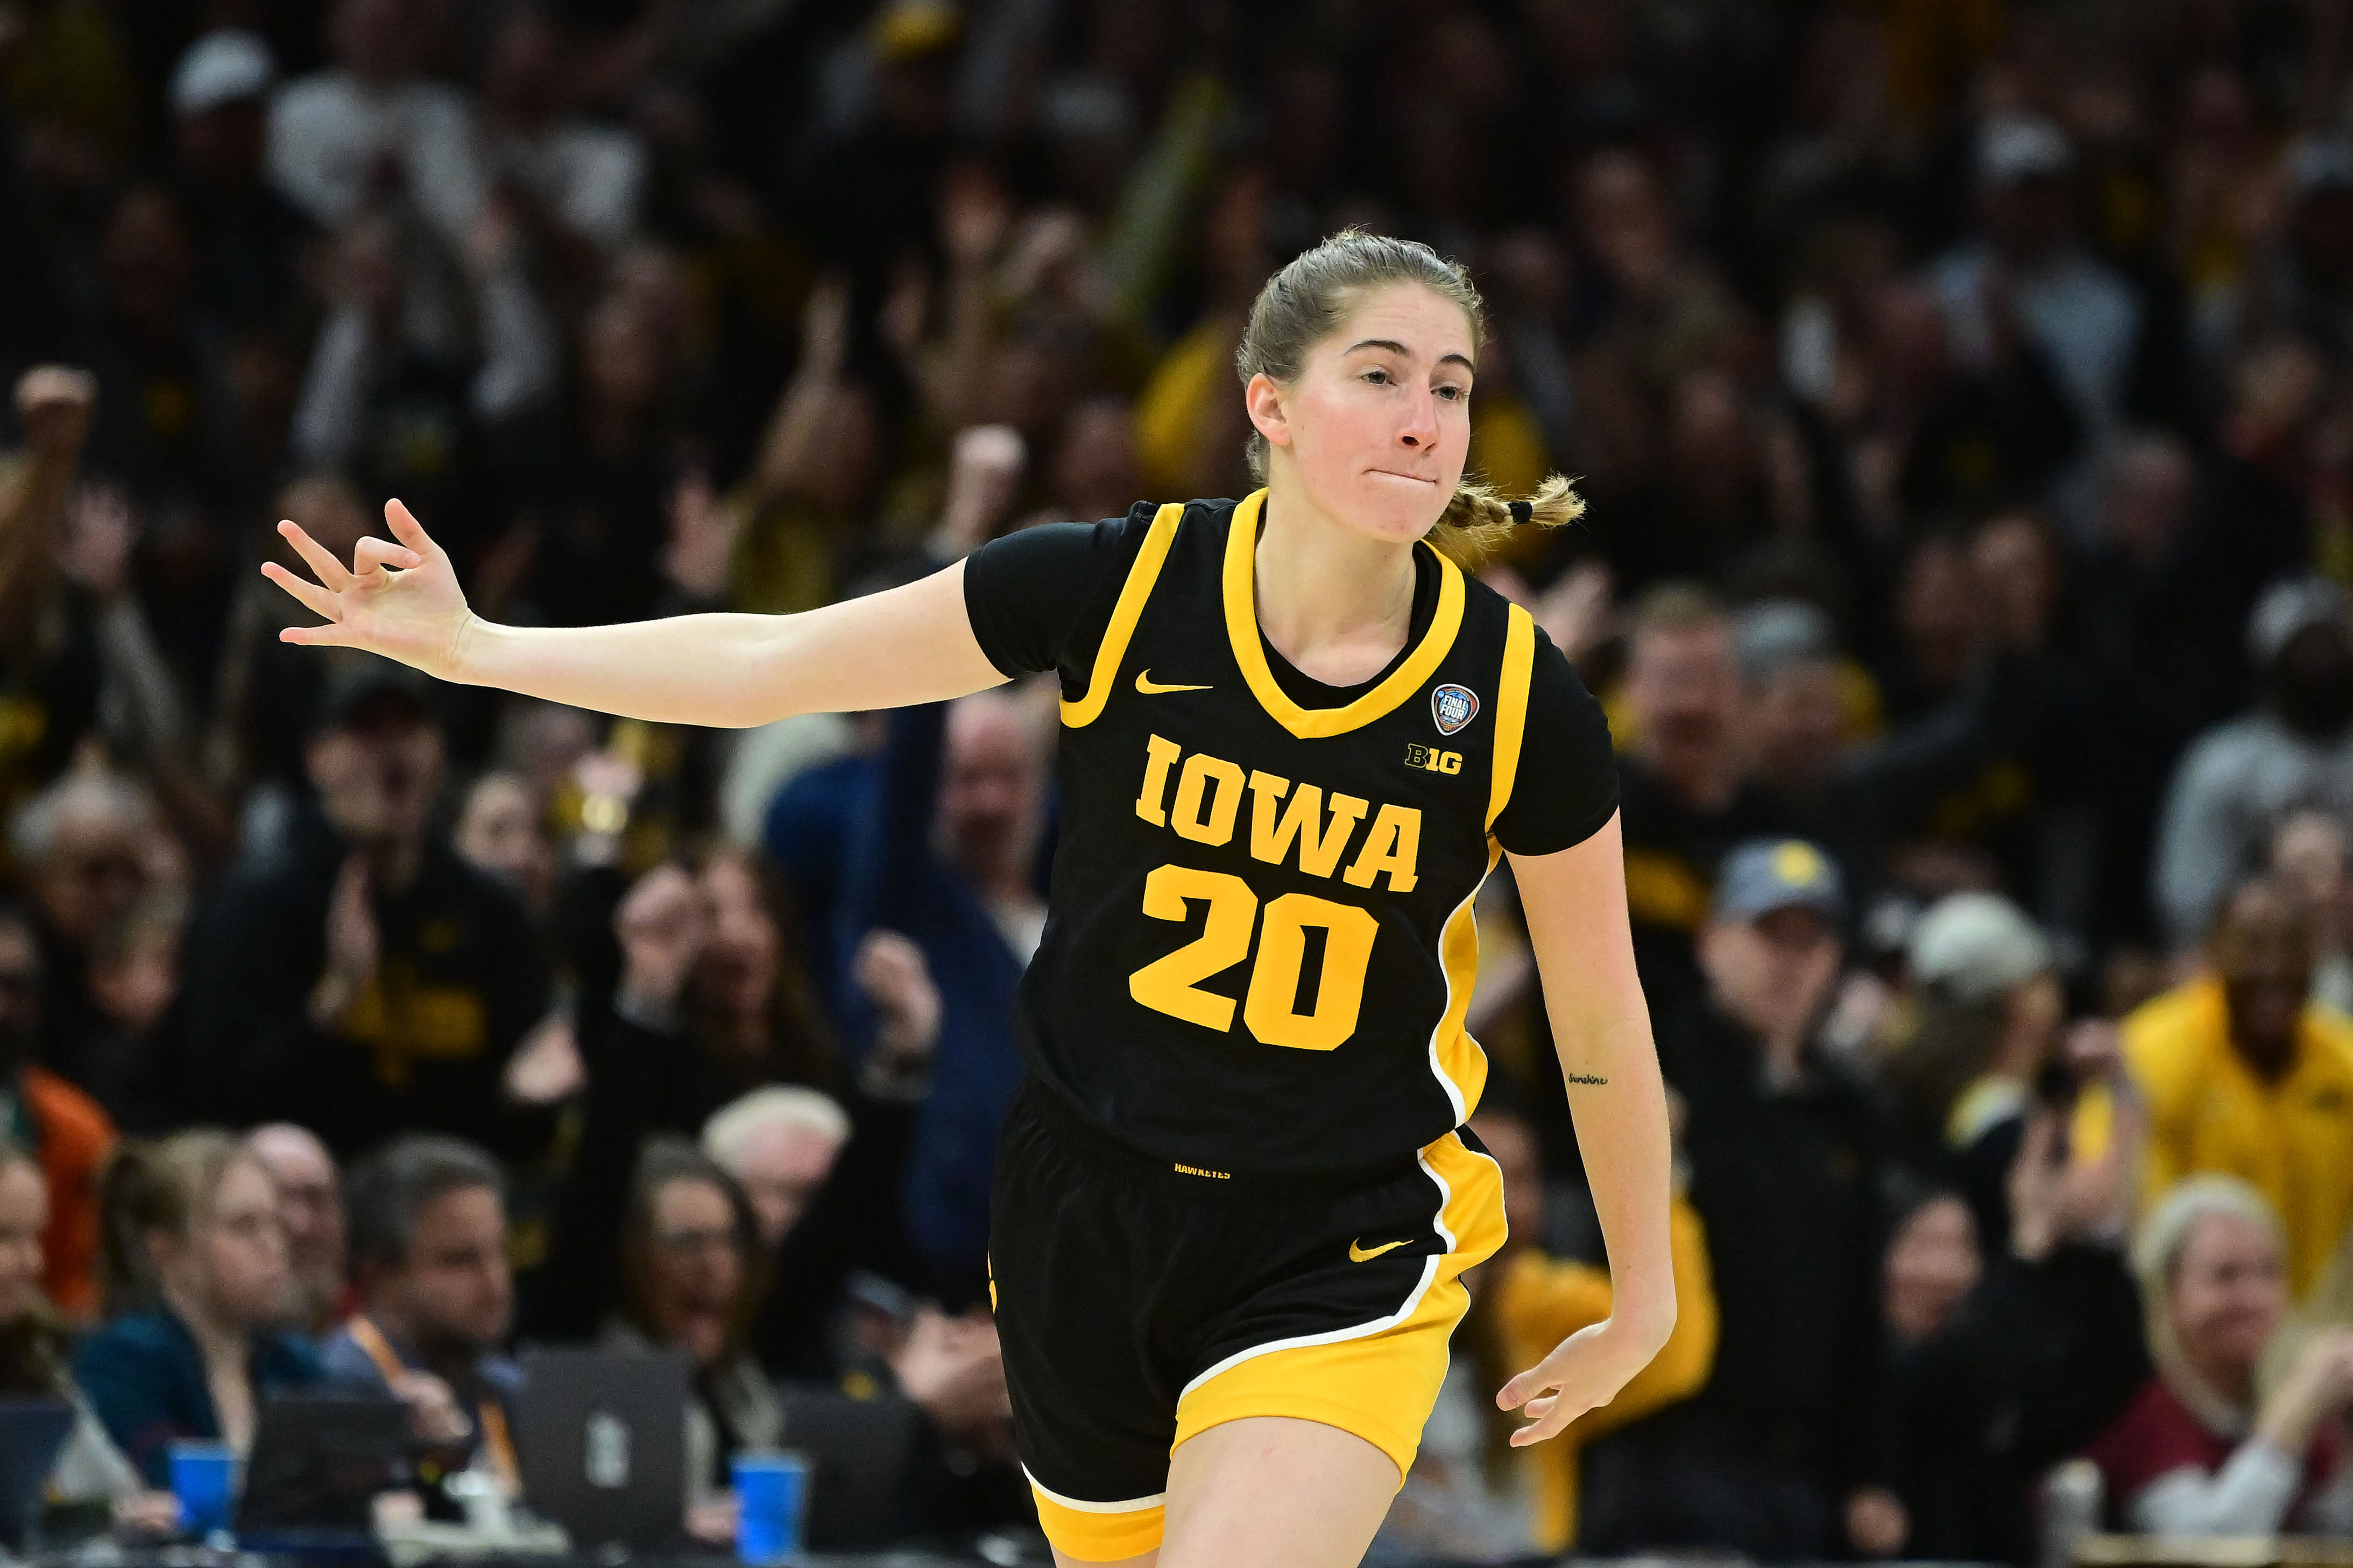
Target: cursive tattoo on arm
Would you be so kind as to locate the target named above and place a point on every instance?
(1586, 1078)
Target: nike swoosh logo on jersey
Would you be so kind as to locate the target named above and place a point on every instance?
(1151, 688)
(1359, 1254)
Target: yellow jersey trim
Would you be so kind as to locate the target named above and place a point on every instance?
(1511, 710)
(1123, 616)
(1242, 630)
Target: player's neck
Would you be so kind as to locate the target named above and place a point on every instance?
(1334, 601)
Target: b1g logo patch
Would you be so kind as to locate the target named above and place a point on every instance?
(1452, 707)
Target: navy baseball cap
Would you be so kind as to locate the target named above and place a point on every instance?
(1762, 874)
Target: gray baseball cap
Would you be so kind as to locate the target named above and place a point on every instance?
(1974, 947)
(1762, 875)
(2291, 605)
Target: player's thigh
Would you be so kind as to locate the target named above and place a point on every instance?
(1274, 1491)
(1146, 1560)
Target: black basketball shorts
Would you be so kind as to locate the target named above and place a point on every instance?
(1140, 1304)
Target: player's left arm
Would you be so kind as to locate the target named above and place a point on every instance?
(1575, 902)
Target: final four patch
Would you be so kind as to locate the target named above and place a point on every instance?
(1452, 707)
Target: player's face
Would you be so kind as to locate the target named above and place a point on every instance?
(1376, 426)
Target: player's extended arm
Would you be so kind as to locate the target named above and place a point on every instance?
(400, 598)
(1575, 906)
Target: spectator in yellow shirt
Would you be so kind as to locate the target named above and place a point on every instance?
(2243, 1075)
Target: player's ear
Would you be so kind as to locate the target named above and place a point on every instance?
(1264, 399)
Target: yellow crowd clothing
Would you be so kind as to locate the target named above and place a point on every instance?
(2210, 1111)
(1543, 1299)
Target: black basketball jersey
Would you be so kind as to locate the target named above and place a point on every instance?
(1260, 942)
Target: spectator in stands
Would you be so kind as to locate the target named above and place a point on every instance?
(2028, 263)
(498, 833)
(1684, 796)
(34, 1347)
(377, 125)
(948, 858)
(310, 1208)
(2241, 778)
(2244, 1076)
(196, 1284)
(708, 1005)
(54, 1124)
(366, 980)
(581, 184)
(1471, 1496)
(1787, 1450)
(1987, 1021)
(691, 1276)
(85, 845)
(436, 1297)
(247, 241)
(780, 1143)
(2013, 1351)
(2198, 1452)
(2312, 856)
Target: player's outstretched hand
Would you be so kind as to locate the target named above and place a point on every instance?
(399, 599)
(1584, 1373)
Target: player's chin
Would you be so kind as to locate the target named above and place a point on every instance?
(1398, 509)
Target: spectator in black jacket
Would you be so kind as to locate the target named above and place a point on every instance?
(366, 980)
(2032, 1362)
(1785, 1452)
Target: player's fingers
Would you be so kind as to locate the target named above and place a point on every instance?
(313, 597)
(407, 529)
(373, 552)
(323, 560)
(329, 636)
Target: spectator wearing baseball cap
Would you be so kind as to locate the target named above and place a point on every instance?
(246, 236)
(2240, 779)
(365, 980)
(2079, 314)
(1988, 1009)
(1785, 1452)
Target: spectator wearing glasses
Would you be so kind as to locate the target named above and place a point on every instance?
(311, 1206)
(197, 1284)
(691, 1272)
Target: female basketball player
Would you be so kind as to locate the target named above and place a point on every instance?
(1233, 1200)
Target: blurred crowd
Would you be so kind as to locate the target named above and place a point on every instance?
(1963, 392)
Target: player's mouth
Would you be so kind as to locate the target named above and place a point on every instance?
(1409, 478)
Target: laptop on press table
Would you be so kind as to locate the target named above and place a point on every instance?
(602, 1440)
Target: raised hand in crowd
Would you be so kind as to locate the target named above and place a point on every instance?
(2318, 1388)
(94, 550)
(703, 530)
(954, 1369)
(53, 403)
(889, 969)
(352, 944)
(983, 476)
(2058, 1194)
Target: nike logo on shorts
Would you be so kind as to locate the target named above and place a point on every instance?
(1358, 1253)
(1151, 688)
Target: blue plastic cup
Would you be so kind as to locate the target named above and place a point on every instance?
(204, 1477)
(771, 1507)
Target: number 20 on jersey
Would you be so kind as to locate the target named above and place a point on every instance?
(1207, 801)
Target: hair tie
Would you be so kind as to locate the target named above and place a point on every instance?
(1522, 511)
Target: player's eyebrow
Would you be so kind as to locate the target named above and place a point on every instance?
(1398, 348)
